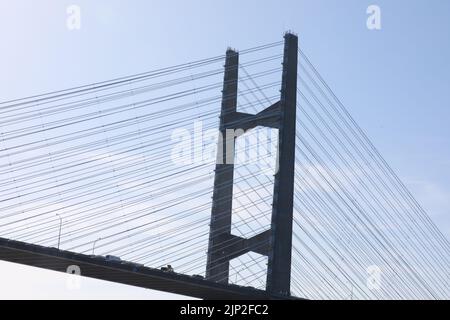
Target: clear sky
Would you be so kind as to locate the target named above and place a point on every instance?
(394, 81)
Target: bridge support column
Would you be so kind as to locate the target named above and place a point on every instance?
(220, 226)
(275, 243)
(279, 267)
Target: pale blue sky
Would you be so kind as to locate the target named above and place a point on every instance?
(394, 81)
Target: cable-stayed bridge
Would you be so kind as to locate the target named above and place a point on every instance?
(236, 176)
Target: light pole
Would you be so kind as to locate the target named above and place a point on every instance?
(60, 226)
(93, 246)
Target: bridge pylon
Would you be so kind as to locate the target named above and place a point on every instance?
(275, 243)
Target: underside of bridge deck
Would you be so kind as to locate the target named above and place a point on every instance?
(125, 272)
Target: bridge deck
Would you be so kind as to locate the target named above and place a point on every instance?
(126, 273)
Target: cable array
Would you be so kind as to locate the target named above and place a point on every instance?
(125, 167)
(361, 231)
